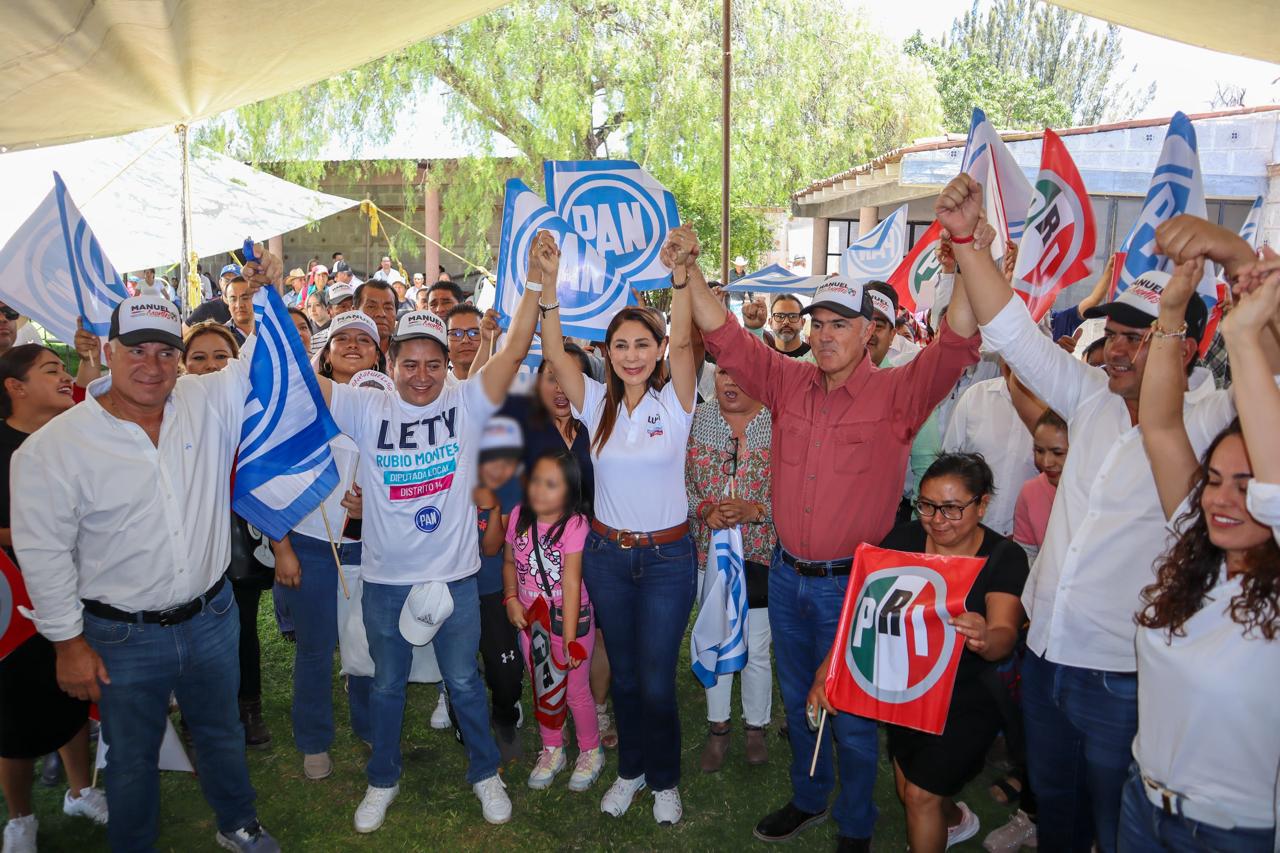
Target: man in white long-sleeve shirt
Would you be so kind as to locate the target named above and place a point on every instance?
(123, 531)
(1105, 531)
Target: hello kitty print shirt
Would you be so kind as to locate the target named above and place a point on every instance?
(529, 578)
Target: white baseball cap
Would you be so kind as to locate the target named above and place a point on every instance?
(842, 296)
(339, 292)
(882, 305)
(146, 319)
(502, 437)
(319, 269)
(353, 319)
(421, 324)
(425, 610)
(1139, 305)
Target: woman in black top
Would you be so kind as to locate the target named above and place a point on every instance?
(36, 717)
(931, 769)
(550, 424)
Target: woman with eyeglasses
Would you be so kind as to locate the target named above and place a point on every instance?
(930, 769)
(726, 476)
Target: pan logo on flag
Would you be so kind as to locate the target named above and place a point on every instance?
(894, 652)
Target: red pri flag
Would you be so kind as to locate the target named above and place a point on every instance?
(896, 652)
(16, 628)
(550, 677)
(1058, 244)
(918, 268)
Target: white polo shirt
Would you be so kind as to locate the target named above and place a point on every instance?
(640, 471)
(103, 514)
(417, 471)
(1206, 711)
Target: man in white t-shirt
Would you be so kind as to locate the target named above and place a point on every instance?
(387, 273)
(419, 454)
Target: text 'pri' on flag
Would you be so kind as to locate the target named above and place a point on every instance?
(1060, 237)
(53, 270)
(550, 677)
(620, 210)
(896, 652)
(1177, 187)
(718, 642)
(918, 269)
(284, 469)
(590, 290)
(875, 255)
(1006, 190)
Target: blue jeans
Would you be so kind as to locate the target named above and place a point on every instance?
(198, 661)
(1147, 829)
(642, 599)
(803, 614)
(456, 644)
(313, 608)
(1080, 725)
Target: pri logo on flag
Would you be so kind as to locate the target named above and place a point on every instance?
(918, 269)
(620, 210)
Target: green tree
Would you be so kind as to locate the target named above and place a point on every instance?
(1063, 51)
(814, 91)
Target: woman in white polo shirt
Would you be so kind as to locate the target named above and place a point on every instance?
(1207, 750)
(639, 561)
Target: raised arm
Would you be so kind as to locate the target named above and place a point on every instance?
(496, 375)
(1256, 395)
(1100, 286)
(1164, 385)
(958, 208)
(681, 255)
(568, 370)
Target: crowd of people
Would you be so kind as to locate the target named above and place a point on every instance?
(1120, 636)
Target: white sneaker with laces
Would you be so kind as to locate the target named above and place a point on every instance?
(494, 802)
(550, 762)
(667, 809)
(20, 834)
(372, 810)
(91, 803)
(440, 716)
(964, 830)
(586, 770)
(1019, 832)
(618, 798)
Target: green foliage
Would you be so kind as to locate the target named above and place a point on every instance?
(814, 91)
(1069, 57)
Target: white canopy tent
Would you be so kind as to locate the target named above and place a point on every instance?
(129, 189)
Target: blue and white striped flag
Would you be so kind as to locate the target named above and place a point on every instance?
(718, 643)
(776, 279)
(285, 468)
(875, 255)
(1006, 191)
(53, 270)
(1251, 231)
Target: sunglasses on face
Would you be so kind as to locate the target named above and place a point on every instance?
(470, 334)
(8, 313)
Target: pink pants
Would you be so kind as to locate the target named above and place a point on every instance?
(581, 703)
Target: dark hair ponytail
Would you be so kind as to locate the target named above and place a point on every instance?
(573, 498)
(16, 364)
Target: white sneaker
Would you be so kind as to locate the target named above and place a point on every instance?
(550, 762)
(91, 803)
(20, 834)
(964, 830)
(1019, 832)
(586, 770)
(494, 802)
(618, 798)
(440, 716)
(666, 806)
(372, 810)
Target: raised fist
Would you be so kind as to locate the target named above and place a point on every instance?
(266, 270)
(959, 205)
(754, 313)
(544, 259)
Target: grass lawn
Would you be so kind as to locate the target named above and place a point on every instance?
(437, 810)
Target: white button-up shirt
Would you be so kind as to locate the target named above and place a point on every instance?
(985, 421)
(101, 513)
(1106, 528)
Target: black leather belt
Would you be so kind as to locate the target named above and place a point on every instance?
(817, 568)
(172, 616)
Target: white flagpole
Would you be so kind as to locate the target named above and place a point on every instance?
(817, 746)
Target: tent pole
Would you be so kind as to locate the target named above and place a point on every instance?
(187, 272)
(725, 81)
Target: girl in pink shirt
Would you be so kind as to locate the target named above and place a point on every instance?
(550, 566)
(1035, 501)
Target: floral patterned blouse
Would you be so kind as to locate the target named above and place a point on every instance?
(707, 472)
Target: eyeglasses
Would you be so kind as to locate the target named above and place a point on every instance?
(951, 512)
(470, 334)
(786, 316)
(8, 313)
(729, 465)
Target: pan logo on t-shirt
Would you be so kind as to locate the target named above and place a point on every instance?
(427, 519)
(655, 426)
(427, 463)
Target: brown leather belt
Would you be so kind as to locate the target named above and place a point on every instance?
(630, 539)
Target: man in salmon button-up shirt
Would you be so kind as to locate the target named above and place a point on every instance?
(842, 430)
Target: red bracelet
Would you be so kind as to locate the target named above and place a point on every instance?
(961, 240)
(706, 502)
(508, 599)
